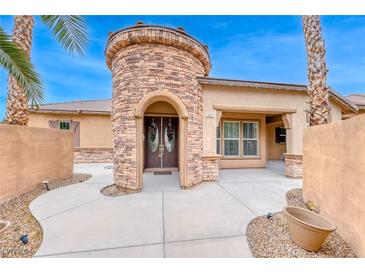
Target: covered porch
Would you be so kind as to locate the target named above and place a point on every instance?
(249, 137)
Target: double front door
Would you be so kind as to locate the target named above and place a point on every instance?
(161, 142)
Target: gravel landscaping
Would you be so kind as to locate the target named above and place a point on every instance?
(270, 238)
(17, 212)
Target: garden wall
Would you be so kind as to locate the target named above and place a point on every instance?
(334, 176)
(29, 155)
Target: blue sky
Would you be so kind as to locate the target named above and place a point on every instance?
(262, 48)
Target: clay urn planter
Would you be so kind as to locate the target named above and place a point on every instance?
(4, 225)
(309, 230)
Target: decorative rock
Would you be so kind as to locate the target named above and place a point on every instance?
(271, 238)
(17, 212)
(4, 225)
(312, 206)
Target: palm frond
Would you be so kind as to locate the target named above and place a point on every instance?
(14, 60)
(69, 30)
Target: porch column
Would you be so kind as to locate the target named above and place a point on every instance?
(294, 124)
(210, 158)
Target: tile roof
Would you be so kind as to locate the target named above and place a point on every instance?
(102, 106)
(357, 99)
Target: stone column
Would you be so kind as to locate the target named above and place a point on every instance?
(294, 157)
(211, 167)
(293, 165)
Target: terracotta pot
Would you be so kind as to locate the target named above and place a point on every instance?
(4, 225)
(309, 230)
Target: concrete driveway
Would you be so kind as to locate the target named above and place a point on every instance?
(209, 220)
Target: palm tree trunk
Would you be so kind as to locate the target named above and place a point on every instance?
(319, 112)
(17, 101)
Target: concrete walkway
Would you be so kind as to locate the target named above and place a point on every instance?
(162, 221)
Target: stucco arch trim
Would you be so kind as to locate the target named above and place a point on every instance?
(161, 95)
(176, 102)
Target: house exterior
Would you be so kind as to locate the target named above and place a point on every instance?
(166, 113)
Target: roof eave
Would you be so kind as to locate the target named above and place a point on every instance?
(343, 101)
(253, 84)
(346, 104)
(62, 111)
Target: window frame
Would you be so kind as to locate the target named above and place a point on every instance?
(231, 139)
(64, 121)
(257, 139)
(280, 135)
(218, 129)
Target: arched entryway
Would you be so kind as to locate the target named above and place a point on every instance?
(161, 138)
(162, 117)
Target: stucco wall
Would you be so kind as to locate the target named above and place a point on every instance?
(334, 176)
(259, 98)
(29, 155)
(95, 130)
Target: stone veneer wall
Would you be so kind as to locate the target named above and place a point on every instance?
(146, 59)
(293, 165)
(210, 169)
(93, 155)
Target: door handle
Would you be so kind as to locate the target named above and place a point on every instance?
(162, 150)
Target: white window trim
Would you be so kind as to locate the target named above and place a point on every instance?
(232, 139)
(257, 139)
(218, 139)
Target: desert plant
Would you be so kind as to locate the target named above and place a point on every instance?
(318, 91)
(70, 32)
(16, 63)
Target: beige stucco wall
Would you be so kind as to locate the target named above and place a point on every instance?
(29, 155)
(274, 150)
(161, 108)
(259, 98)
(95, 130)
(334, 176)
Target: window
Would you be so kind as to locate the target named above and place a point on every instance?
(64, 125)
(250, 138)
(231, 138)
(218, 142)
(280, 135)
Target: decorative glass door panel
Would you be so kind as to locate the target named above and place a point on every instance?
(161, 142)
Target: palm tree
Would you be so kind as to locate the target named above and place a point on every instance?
(14, 60)
(318, 91)
(69, 30)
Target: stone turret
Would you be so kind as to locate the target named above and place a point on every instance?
(150, 59)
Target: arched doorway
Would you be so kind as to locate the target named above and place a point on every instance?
(161, 138)
(161, 134)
